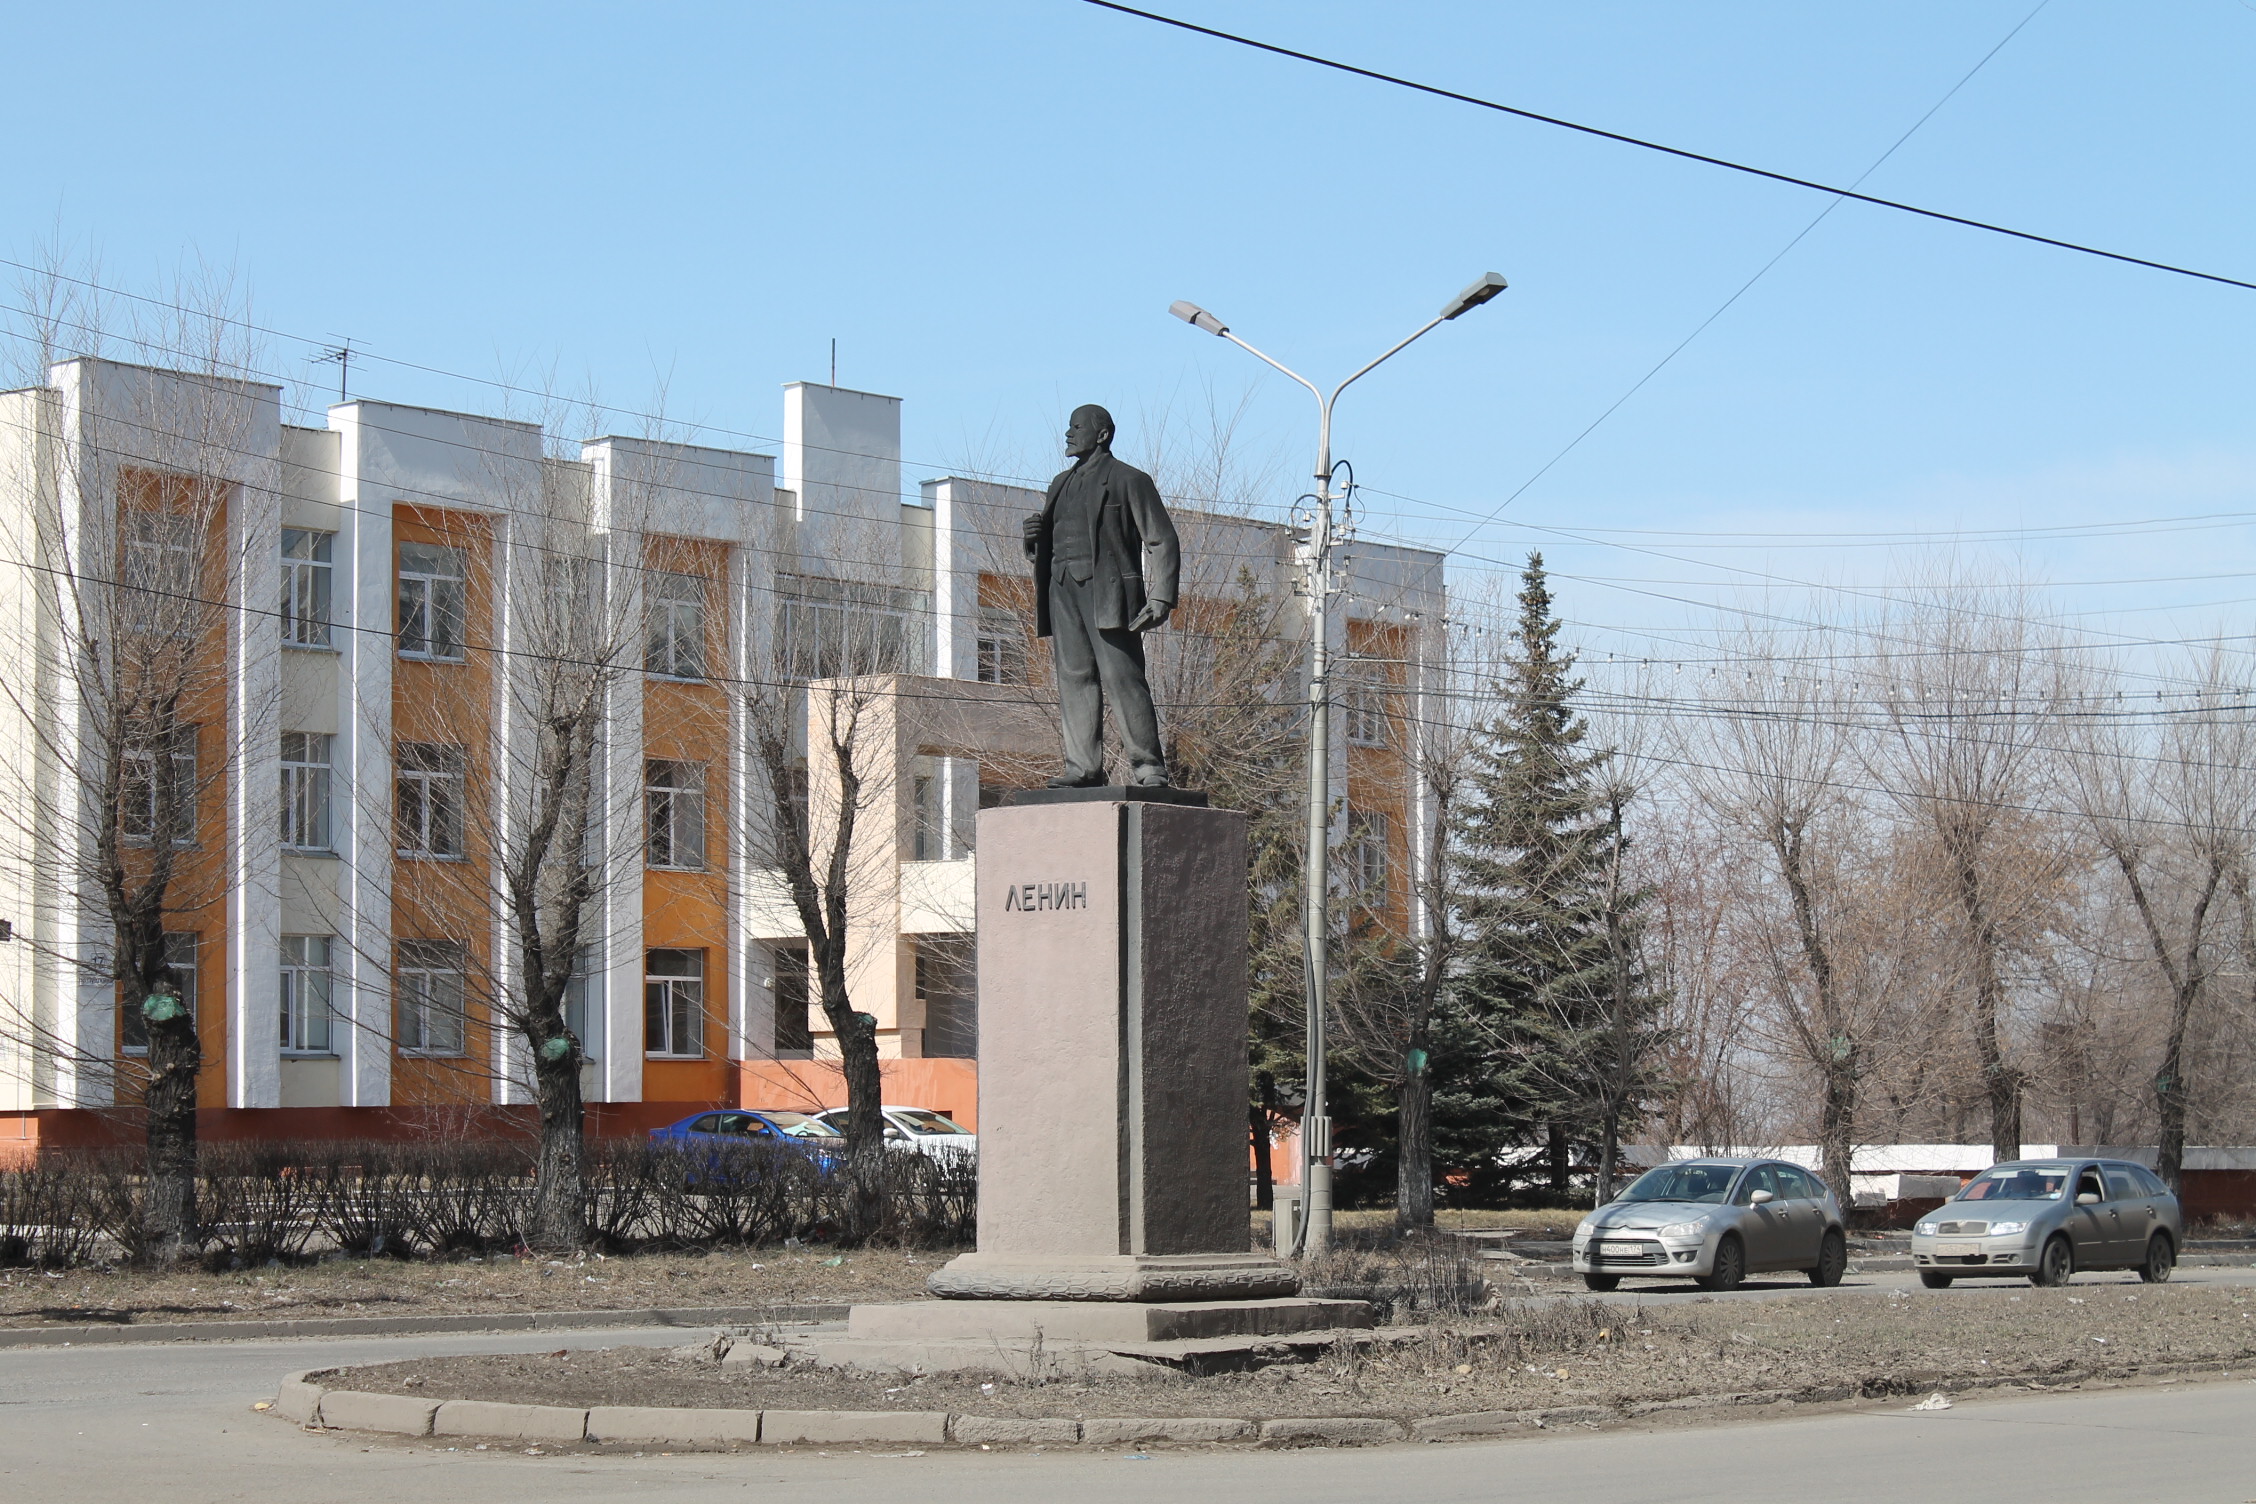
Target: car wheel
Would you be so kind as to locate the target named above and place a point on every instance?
(2161, 1258)
(1730, 1269)
(2055, 1264)
(1602, 1281)
(1935, 1281)
(1832, 1261)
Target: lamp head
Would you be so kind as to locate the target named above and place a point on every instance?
(1199, 318)
(1487, 287)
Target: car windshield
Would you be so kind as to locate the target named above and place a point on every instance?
(921, 1121)
(2017, 1183)
(1682, 1183)
(799, 1125)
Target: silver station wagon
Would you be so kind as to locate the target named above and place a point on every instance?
(1715, 1221)
(2047, 1218)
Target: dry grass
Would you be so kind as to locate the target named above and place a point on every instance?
(1612, 1356)
(386, 1287)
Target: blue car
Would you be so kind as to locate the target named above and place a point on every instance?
(740, 1127)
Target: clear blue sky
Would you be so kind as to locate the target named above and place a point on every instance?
(990, 205)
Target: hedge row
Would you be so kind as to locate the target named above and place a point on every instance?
(290, 1203)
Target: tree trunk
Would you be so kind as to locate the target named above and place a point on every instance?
(1414, 1172)
(1264, 1157)
(168, 1216)
(1555, 1155)
(2000, 1080)
(559, 1218)
(1836, 1133)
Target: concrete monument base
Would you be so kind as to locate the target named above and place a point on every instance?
(1112, 1076)
(1126, 1276)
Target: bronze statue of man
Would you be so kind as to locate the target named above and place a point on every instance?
(1106, 563)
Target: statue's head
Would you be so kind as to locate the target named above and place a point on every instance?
(1088, 431)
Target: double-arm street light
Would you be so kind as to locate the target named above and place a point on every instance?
(1315, 1233)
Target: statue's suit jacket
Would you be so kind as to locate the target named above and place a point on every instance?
(1137, 555)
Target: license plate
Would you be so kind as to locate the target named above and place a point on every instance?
(1957, 1250)
(1622, 1250)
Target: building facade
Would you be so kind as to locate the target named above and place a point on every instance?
(379, 613)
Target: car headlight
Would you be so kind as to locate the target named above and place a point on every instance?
(1583, 1229)
(1925, 1229)
(2007, 1229)
(1685, 1229)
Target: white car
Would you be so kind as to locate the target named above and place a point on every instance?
(918, 1128)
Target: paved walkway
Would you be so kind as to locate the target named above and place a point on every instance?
(173, 1422)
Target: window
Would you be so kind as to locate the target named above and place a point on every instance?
(947, 986)
(1759, 1178)
(673, 992)
(431, 1020)
(431, 601)
(2120, 1185)
(677, 625)
(1797, 1185)
(1002, 648)
(567, 600)
(180, 956)
(306, 1019)
(1369, 832)
(306, 571)
(427, 800)
(159, 570)
(1364, 694)
(794, 1034)
(674, 805)
(2149, 1182)
(305, 790)
(157, 787)
(829, 629)
(583, 1001)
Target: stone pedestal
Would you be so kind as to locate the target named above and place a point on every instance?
(1112, 1045)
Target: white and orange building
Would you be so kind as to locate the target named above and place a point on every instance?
(363, 723)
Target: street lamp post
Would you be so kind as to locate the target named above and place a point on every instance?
(1315, 1234)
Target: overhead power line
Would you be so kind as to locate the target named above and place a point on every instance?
(1673, 151)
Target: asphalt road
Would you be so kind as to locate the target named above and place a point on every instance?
(172, 1422)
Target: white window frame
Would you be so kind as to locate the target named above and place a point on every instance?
(1370, 853)
(432, 1019)
(675, 606)
(308, 587)
(180, 955)
(1000, 655)
(433, 602)
(307, 771)
(829, 629)
(1364, 692)
(158, 568)
(673, 800)
(427, 784)
(137, 787)
(308, 1019)
(673, 1004)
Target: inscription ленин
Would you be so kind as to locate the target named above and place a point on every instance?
(1034, 898)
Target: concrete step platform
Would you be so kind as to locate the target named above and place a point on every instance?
(1028, 1358)
(1100, 1321)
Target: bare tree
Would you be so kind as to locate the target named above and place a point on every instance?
(1963, 706)
(2170, 805)
(134, 522)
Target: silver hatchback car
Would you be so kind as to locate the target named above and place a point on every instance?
(1715, 1221)
(2048, 1218)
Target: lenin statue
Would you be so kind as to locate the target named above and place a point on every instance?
(1105, 568)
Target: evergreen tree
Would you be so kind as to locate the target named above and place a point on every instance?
(1553, 1025)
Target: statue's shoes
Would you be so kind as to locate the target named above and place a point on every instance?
(1151, 778)
(1077, 781)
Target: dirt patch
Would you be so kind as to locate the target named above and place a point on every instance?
(387, 1287)
(1613, 1356)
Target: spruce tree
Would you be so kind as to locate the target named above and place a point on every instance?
(1548, 991)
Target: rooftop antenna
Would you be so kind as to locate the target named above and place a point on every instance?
(341, 354)
(834, 361)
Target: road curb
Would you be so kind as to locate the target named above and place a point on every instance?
(407, 1326)
(305, 1403)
